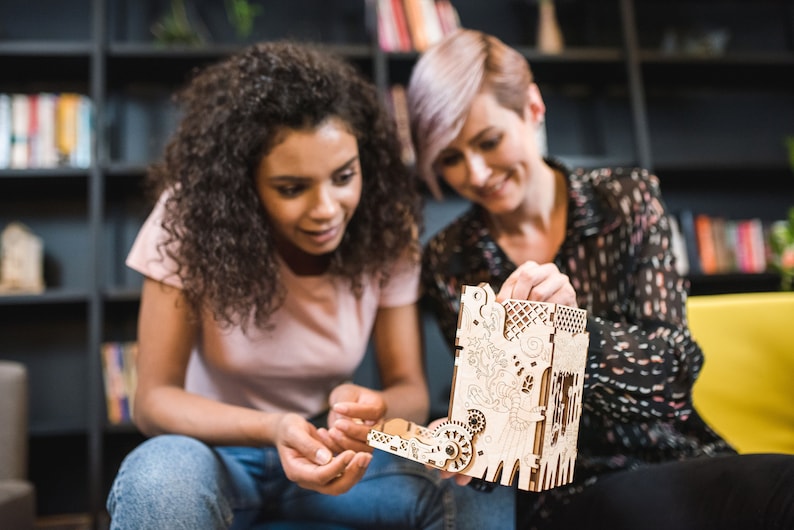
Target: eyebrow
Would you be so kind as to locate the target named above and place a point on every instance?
(477, 137)
(296, 178)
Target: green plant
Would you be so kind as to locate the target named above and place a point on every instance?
(781, 240)
(241, 15)
(175, 28)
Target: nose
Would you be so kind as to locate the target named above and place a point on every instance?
(478, 169)
(325, 205)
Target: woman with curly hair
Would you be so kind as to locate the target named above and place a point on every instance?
(285, 235)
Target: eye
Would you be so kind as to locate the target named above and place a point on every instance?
(344, 178)
(491, 142)
(290, 190)
(448, 159)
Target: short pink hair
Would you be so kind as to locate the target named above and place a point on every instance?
(445, 81)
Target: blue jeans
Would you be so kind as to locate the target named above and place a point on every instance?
(174, 482)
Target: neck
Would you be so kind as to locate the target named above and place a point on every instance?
(546, 197)
(302, 263)
(536, 230)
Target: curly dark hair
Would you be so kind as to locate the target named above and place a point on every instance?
(232, 115)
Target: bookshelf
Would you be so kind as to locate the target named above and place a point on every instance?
(626, 89)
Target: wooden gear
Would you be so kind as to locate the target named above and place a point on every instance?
(516, 395)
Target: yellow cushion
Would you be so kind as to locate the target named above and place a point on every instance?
(746, 389)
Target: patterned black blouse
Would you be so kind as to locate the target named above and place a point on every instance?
(642, 361)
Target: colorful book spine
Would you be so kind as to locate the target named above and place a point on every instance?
(120, 379)
(5, 131)
(20, 121)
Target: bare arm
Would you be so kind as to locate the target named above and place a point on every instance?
(404, 391)
(166, 335)
(398, 343)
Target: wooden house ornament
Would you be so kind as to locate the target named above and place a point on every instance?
(516, 395)
(21, 260)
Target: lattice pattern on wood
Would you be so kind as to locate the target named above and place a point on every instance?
(516, 397)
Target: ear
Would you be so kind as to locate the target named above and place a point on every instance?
(535, 110)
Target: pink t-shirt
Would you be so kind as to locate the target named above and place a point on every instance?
(312, 343)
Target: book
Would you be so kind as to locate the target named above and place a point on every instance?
(33, 131)
(678, 247)
(401, 25)
(45, 147)
(82, 152)
(721, 245)
(432, 25)
(414, 15)
(759, 245)
(387, 30)
(706, 248)
(447, 16)
(120, 379)
(5, 131)
(686, 224)
(66, 127)
(20, 122)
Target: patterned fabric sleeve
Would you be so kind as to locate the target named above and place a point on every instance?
(642, 360)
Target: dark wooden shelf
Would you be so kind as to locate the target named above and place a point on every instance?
(122, 294)
(48, 297)
(44, 173)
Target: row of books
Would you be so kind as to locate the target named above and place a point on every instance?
(120, 379)
(45, 130)
(706, 244)
(408, 25)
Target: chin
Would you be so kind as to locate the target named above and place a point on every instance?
(500, 205)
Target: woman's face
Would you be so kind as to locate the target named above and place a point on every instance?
(310, 186)
(490, 160)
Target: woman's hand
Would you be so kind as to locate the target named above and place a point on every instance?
(538, 283)
(309, 463)
(354, 410)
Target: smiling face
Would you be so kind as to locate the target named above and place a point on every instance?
(491, 160)
(310, 186)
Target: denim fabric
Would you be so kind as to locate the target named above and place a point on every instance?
(176, 482)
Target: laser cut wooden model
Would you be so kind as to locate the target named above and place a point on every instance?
(516, 395)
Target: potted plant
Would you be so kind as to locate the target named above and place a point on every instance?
(781, 240)
(241, 14)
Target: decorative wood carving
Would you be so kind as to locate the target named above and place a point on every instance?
(516, 395)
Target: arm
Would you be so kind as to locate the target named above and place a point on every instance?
(642, 361)
(166, 335)
(644, 364)
(404, 394)
(398, 344)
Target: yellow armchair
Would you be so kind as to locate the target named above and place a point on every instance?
(746, 389)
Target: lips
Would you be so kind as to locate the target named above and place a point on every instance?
(321, 237)
(492, 189)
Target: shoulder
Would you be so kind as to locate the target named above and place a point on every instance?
(627, 189)
(631, 182)
(633, 194)
(453, 237)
